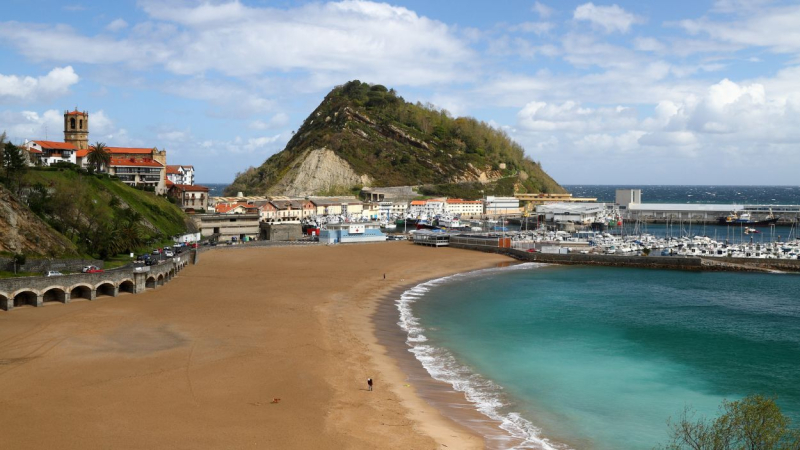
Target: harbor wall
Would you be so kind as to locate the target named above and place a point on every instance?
(648, 262)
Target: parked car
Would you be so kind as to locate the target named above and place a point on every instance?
(53, 273)
(88, 268)
(95, 270)
(157, 252)
(168, 253)
(150, 262)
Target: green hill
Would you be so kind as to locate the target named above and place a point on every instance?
(365, 134)
(97, 214)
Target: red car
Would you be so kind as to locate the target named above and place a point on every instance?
(94, 270)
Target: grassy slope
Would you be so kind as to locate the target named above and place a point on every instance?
(161, 218)
(391, 160)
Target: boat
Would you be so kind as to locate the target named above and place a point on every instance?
(747, 219)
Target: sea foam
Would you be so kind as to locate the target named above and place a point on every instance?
(443, 366)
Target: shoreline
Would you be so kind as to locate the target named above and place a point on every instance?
(441, 395)
(262, 347)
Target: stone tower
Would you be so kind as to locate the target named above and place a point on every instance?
(76, 129)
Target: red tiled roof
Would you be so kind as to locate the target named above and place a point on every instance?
(199, 188)
(226, 207)
(130, 150)
(33, 150)
(81, 153)
(418, 202)
(75, 113)
(137, 162)
(173, 169)
(458, 200)
(168, 183)
(56, 145)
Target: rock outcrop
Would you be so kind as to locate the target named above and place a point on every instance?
(318, 171)
(21, 231)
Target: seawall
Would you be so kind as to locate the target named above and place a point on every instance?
(647, 262)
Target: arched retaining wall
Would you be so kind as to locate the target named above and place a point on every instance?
(36, 290)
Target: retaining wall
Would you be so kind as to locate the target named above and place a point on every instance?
(36, 291)
(43, 265)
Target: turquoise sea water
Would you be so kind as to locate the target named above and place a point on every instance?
(600, 358)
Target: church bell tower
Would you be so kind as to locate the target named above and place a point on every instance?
(76, 128)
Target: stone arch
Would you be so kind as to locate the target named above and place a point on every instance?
(4, 301)
(150, 283)
(160, 281)
(25, 297)
(54, 294)
(106, 288)
(80, 291)
(126, 286)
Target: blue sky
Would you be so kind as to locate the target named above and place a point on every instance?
(681, 92)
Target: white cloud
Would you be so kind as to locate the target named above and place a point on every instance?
(648, 44)
(28, 89)
(279, 120)
(609, 18)
(740, 6)
(341, 40)
(117, 25)
(543, 10)
(538, 28)
(571, 116)
(773, 28)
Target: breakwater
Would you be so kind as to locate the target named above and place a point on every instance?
(649, 262)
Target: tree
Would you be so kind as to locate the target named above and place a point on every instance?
(14, 164)
(753, 423)
(98, 156)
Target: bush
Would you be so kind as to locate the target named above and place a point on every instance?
(755, 422)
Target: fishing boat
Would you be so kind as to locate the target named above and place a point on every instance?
(744, 218)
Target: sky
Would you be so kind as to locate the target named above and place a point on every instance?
(629, 92)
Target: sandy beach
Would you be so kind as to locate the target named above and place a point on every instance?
(198, 362)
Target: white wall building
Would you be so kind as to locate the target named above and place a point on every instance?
(180, 174)
(625, 197)
(51, 152)
(461, 207)
(501, 205)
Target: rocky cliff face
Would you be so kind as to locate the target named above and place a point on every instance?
(368, 135)
(21, 231)
(318, 171)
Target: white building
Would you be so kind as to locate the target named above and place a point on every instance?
(139, 172)
(501, 205)
(577, 213)
(457, 206)
(627, 196)
(51, 152)
(180, 174)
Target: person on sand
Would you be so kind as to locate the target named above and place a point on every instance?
(369, 384)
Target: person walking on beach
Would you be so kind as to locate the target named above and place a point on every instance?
(369, 384)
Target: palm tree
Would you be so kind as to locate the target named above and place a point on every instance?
(98, 156)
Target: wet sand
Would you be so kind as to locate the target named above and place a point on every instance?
(198, 362)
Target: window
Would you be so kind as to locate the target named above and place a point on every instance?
(81, 124)
(72, 123)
